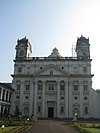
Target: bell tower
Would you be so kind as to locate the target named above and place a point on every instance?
(83, 48)
(23, 49)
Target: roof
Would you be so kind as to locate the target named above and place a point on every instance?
(7, 86)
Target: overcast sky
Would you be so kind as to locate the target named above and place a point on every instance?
(48, 24)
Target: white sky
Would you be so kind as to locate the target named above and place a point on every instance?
(48, 24)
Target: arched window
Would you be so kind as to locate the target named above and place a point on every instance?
(26, 111)
(16, 110)
(62, 109)
(76, 111)
(86, 110)
(39, 109)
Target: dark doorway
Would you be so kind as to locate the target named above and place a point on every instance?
(50, 112)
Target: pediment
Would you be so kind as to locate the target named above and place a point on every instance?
(51, 70)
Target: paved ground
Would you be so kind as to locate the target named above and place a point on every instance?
(53, 126)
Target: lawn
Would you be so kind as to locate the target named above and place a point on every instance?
(88, 127)
(13, 129)
(94, 130)
(9, 129)
(16, 124)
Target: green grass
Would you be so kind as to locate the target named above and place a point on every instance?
(29, 127)
(8, 129)
(15, 125)
(14, 129)
(88, 127)
(93, 130)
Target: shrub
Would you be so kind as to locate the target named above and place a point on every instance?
(85, 130)
(77, 125)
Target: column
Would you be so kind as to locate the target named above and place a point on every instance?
(3, 109)
(43, 100)
(31, 99)
(35, 99)
(66, 99)
(0, 108)
(58, 98)
(5, 95)
(21, 97)
(81, 98)
(8, 96)
(1, 93)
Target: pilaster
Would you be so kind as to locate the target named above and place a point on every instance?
(66, 99)
(12, 108)
(21, 97)
(90, 99)
(43, 100)
(70, 100)
(81, 98)
(35, 98)
(31, 99)
(58, 98)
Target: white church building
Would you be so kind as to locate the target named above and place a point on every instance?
(54, 86)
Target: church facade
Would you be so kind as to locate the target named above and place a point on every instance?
(53, 86)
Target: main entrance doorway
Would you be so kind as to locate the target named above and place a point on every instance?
(50, 112)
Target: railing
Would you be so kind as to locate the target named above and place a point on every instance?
(50, 58)
(76, 92)
(46, 58)
(26, 91)
(85, 92)
(51, 91)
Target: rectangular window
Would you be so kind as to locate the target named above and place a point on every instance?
(75, 69)
(75, 87)
(51, 72)
(27, 87)
(85, 87)
(18, 87)
(51, 87)
(84, 69)
(19, 69)
(62, 87)
(39, 87)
